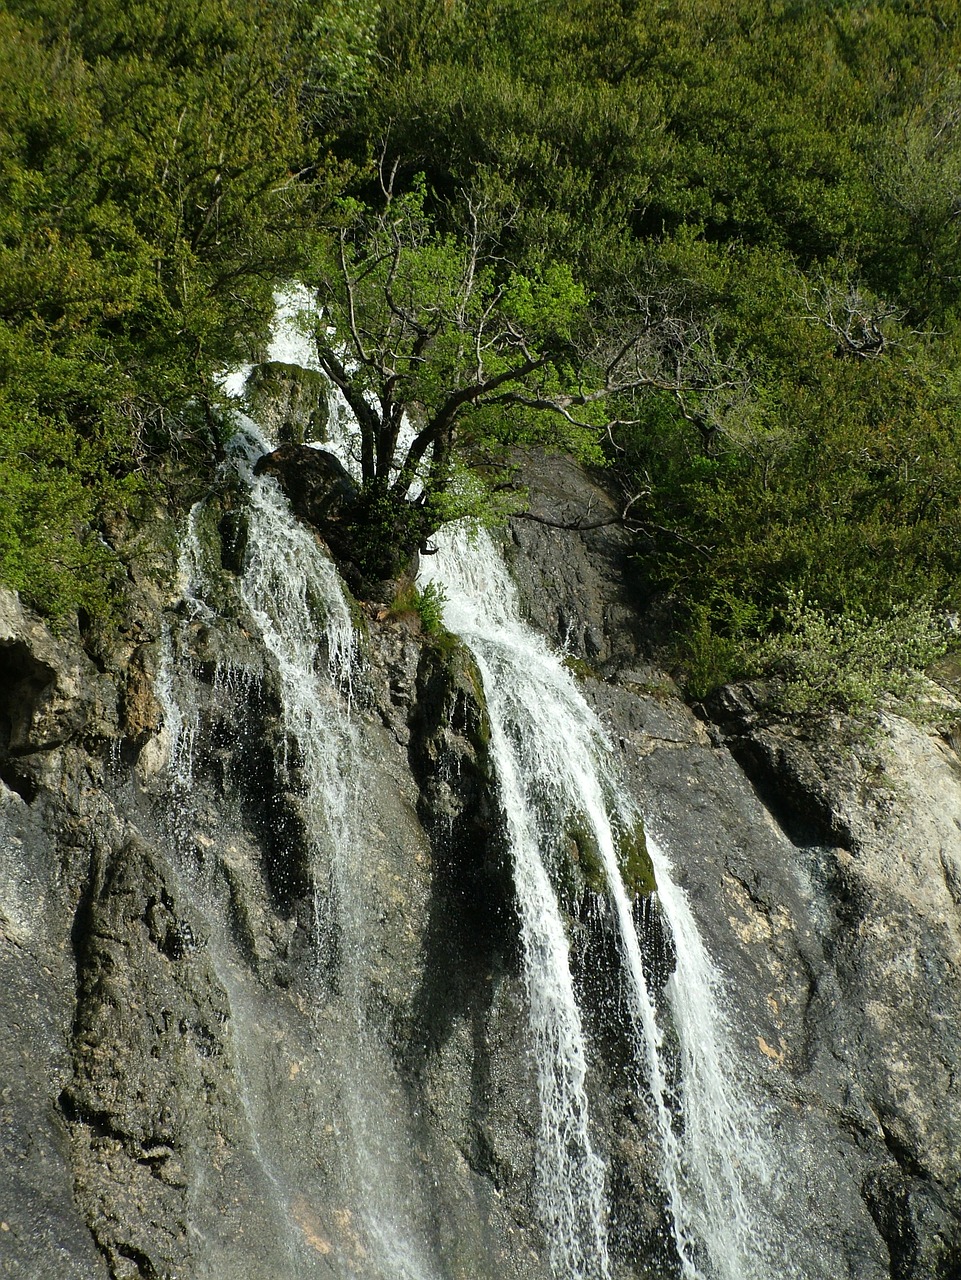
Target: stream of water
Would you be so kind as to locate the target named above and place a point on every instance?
(556, 777)
(291, 591)
(555, 771)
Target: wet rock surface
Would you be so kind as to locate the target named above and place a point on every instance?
(825, 881)
(174, 1042)
(184, 1039)
(292, 403)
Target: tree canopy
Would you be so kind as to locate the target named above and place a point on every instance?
(715, 242)
(426, 330)
(158, 166)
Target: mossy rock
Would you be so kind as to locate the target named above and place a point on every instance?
(234, 530)
(634, 860)
(585, 855)
(579, 669)
(586, 872)
(464, 687)
(358, 617)
(291, 403)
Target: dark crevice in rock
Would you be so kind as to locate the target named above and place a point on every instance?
(23, 681)
(98, 1122)
(921, 1233)
(82, 925)
(805, 817)
(470, 944)
(603, 986)
(145, 1267)
(91, 639)
(241, 756)
(471, 933)
(173, 938)
(19, 780)
(901, 1153)
(783, 774)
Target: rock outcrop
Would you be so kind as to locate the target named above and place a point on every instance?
(177, 1097)
(185, 1042)
(825, 879)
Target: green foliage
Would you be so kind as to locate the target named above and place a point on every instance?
(426, 602)
(776, 186)
(759, 124)
(770, 193)
(848, 662)
(430, 607)
(430, 329)
(837, 478)
(712, 655)
(158, 167)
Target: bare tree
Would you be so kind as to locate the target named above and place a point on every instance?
(860, 322)
(440, 347)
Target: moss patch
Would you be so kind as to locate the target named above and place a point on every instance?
(634, 861)
(580, 669)
(585, 872)
(585, 856)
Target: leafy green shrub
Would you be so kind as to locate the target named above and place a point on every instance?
(430, 607)
(426, 603)
(714, 647)
(159, 168)
(848, 662)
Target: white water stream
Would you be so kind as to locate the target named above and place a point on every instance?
(556, 775)
(555, 770)
(534, 762)
(727, 1165)
(293, 594)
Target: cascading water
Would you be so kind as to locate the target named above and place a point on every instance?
(570, 1176)
(554, 769)
(181, 727)
(728, 1176)
(555, 777)
(292, 592)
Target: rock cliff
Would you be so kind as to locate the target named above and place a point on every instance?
(825, 880)
(190, 1077)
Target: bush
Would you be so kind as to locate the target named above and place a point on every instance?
(426, 603)
(430, 607)
(848, 662)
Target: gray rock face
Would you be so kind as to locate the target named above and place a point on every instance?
(188, 1076)
(825, 881)
(292, 402)
(196, 1073)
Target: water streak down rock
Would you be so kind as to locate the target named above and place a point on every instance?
(173, 1054)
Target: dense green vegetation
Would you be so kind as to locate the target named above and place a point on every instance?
(780, 186)
(759, 205)
(157, 165)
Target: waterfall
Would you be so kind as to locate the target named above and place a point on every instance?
(570, 1176)
(557, 782)
(729, 1179)
(293, 593)
(290, 589)
(554, 767)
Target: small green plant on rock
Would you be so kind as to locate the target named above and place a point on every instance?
(430, 607)
(426, 604)
(848, 662)
(579, 668)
